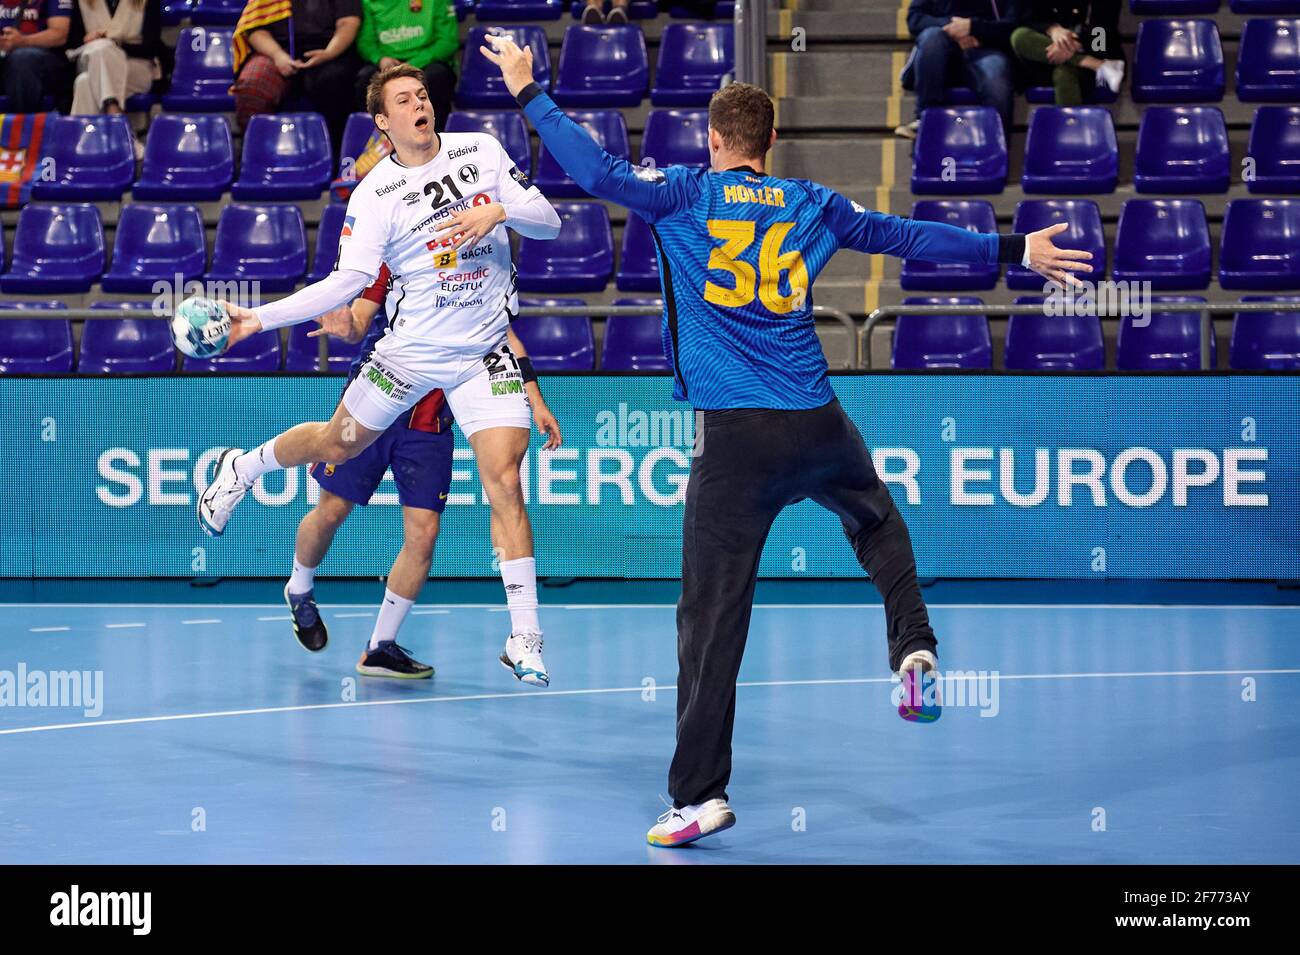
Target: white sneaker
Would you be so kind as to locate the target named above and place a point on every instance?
(678, 827)
(1111, 74)
(523, 657)
(908, 130)
(223, 495)
(922, 658)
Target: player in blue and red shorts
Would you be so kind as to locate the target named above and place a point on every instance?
(418, 447)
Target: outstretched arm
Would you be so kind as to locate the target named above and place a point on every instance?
(644, 190)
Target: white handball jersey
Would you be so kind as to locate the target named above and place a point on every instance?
(459, 299)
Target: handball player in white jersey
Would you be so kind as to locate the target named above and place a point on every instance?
(436, 211)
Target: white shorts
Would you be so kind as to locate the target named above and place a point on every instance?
(483, 391)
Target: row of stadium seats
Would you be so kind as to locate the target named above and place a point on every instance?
(226, 12)
(599, 66)
(1073, 150)
(1164, 341)
(287, 156)
(144, 346)
(1162, 241)
(1170, 341)
(61, 249)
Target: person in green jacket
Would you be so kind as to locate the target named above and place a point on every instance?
(423, 33)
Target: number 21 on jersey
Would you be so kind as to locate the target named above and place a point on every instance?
(737, 235)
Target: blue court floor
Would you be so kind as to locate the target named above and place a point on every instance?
(1115, 733)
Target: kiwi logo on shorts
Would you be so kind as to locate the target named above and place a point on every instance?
(376, 378)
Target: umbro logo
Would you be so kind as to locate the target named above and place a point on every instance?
(411, 198)
(511, 588)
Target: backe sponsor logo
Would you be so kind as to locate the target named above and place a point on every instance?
(75, 907)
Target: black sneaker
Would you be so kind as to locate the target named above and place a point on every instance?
(593, 17)
(392, 661)
(308, 627)
(616, 17)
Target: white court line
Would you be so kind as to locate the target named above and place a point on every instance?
(191, 622)
(274, 618)
(122, 626)
(47, 629)
(606, 690)
(667, 606)
(425, 613)
(342, 615)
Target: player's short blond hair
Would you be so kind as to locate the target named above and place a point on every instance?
(375, 89)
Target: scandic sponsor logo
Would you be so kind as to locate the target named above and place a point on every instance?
(1062, 478)
(77, 908)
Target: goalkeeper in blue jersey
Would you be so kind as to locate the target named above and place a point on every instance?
(738, 253)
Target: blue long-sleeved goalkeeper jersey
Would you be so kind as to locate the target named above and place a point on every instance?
(738, 254)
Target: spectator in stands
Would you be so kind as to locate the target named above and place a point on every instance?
(961, 43)
(422, 33)
(595, 15)
(1073, 43)
(316, 60)
(119, 52)
(33, 34)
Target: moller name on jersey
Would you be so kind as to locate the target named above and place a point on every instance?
(767, 196)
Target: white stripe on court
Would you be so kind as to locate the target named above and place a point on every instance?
(192, 622)
(122, 626)
(47, 629)
(425, 613)
(369, 613)
(517, 695)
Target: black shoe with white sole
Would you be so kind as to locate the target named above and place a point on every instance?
(308, 627)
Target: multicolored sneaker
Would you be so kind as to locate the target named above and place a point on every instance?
(920, 701)
(219, 500)
(523, 657)
(680, 827)
(308, 627)
(390, 660)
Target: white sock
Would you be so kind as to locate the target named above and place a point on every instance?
(520, 579)
(251, 465)
(303, 579)
(391, 614)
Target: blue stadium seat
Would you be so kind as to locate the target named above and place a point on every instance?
(1268, 62)
(1094, 96)
(126, 346)
(1163, 341)
(286, 156)
(1178, 61)
(602, 66)
(174, 11)
(676, 137)
(693, 58)
(327, 241)
(219, 13)
(638, 265)
(1173, 8)
(1182, 149)
(508, 126)
(155, 244)
(1259, 248)
(1252, 7)
(606, 127)
(520, 9)
(1266, 341)
(203, 72)
(635, 342)
(356, 134)
(1165, 242)
(35, 346)
(1275, 148)
(1053, 343)
(1085, 232)
(57, 248)
(91, 157)
(265, 244)
(579, 260)
(942, 341)
(1071, 150)
(974, 215)
(186, 159)
(256, 353)
(464, 8)
(959, 151)
(480, 81)
(303, 352)
(556, 342)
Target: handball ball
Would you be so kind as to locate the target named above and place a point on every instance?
(200, 327)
